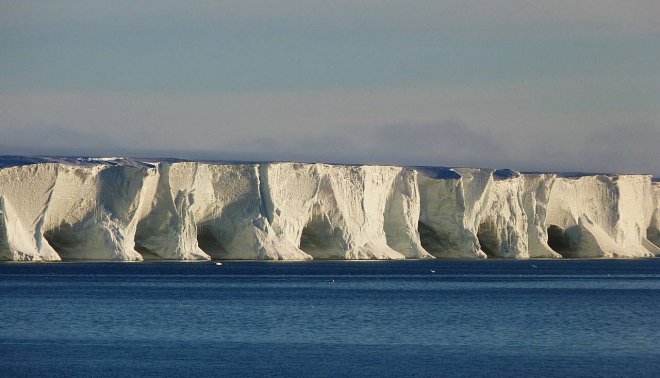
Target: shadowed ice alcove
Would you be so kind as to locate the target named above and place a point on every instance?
(488, 239)
(558, 240)
(208, 241)
(432, 241)
(320, 240)
(64, 240)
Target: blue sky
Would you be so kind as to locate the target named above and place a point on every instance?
(552, 85)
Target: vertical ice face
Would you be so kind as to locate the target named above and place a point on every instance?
(452, 201)
(401, 223)
(232, 215)
(70, 211)
(18, 243)
(635, 192)
(598, 216)
(503, 223)
(535, 197)
(345, 212)
(117, 209)
(513, 222)
(92, 212)
(26, 193)
(167, 228)
(652, 239)
(202, 211)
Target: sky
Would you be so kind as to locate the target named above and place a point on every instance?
(565, 85)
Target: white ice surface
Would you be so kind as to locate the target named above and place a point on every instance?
(127, 210)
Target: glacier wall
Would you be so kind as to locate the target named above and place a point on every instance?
(652, 240)
(126, 210)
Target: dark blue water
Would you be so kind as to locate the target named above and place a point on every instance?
(469, 318)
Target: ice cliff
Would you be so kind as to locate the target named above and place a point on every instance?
(127, 210)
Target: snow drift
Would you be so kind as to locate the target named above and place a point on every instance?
(127, 210)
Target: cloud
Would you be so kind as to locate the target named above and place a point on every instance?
(498, 127)
(441, 143)
(632, 147)
(53, 139)
(448, 143)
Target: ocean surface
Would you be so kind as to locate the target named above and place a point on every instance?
(406, 318)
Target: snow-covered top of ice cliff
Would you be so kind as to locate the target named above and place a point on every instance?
(16, 161)
(438, 173)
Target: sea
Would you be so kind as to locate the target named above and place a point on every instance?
(432, 318)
